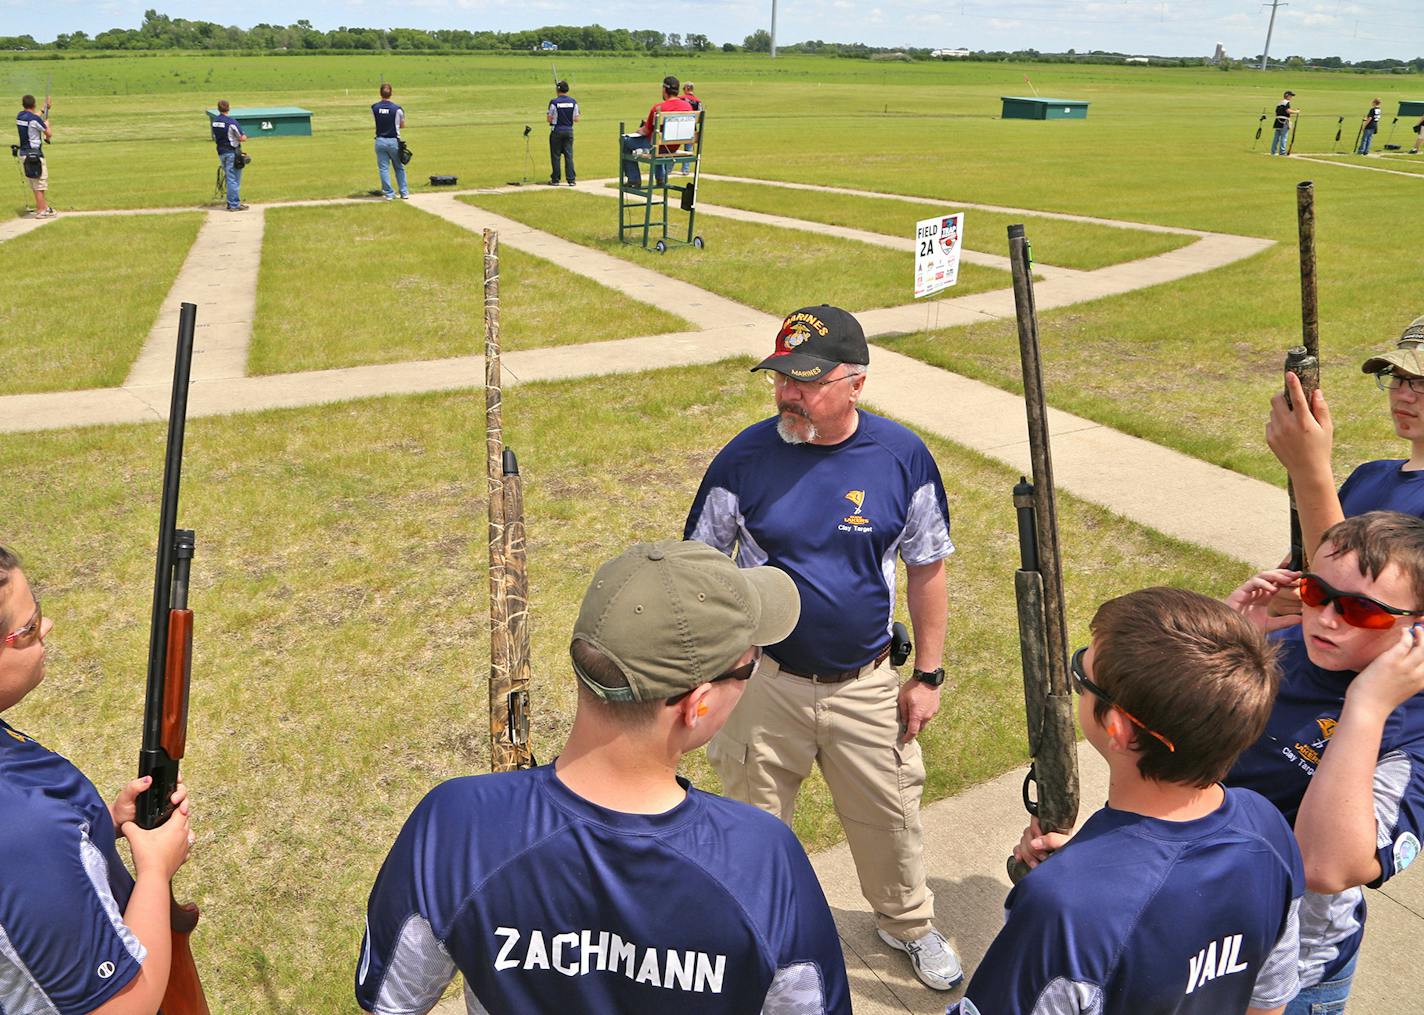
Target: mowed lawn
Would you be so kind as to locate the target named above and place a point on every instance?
(81, 295)
(1064, 244)
(766, 267)
(340, 595)
(350, 285)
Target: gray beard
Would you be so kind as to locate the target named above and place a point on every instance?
(785, 432)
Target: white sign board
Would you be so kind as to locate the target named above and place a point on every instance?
(937, 243)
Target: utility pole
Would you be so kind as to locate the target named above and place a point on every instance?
(1265, 53)
(773, 29)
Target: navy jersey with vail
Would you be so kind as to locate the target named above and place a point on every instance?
(1140, 916)
(31, 128)
(1282, 114)
(563, 108)
(63, 944)
(388, 118)
(227, 133)
(549, 903)
(1383, 486)
(834, 518)
(1280, 765)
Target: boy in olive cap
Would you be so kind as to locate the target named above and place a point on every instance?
(1301, 437)
(604, 882)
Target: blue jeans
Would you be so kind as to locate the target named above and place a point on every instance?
(1279, 140)
(631, 143)
(387, 155)
(233, 176)
(1324, 998)
(1365, 139)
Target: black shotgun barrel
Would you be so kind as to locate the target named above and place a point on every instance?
(170, 576)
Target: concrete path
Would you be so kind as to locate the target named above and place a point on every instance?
(220, 276)
(1368, 169)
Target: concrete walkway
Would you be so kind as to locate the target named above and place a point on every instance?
(1368, 169)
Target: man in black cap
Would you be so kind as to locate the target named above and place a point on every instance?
(563, 114)
(831, 494)
(1280, 139)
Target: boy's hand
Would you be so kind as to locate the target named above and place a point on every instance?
(1036, 846)
(1300, 434)
(162, 850)
(125, 806)
(1395, 676)
(1255, 597)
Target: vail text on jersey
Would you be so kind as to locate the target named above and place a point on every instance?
(1210, 963)
(578, 953)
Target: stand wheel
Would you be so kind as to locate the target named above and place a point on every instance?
(697, 242)
(660, 247)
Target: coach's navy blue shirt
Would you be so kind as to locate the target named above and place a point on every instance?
(549, 903)
(833, 517)
(388, 118)
(1140, 916)
(31, 127)
(227, 133)
(63, 888)
(1280, 765)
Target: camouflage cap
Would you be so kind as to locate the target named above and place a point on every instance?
(675, 614)
(1407, 357)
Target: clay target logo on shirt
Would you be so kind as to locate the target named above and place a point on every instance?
(856, 497)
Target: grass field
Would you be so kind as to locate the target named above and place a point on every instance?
(405, 285)
(767, 267)
(81, 296)
(341, 641)
(1081, 245)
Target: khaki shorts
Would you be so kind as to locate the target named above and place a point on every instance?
(42, 183)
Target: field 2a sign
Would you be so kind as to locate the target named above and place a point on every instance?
(266, 124)
(937, 243)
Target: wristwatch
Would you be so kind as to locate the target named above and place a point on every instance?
(931, 677)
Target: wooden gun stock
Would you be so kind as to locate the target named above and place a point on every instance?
(184, 995)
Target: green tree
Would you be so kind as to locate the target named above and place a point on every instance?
(758, 42)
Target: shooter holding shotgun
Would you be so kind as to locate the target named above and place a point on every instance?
(63, 885)
(34, 134)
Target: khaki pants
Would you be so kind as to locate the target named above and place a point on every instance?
(784, 724)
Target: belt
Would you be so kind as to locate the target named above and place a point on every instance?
(838, 676)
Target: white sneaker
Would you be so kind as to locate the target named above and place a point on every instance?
(934, 960)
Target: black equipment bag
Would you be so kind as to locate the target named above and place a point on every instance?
(405, 153)
(34, 166)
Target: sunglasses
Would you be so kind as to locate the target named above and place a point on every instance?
(1354, 609)
(29, 634)
(742, 672)
(1084, 684)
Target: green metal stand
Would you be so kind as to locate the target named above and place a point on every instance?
(649, 202)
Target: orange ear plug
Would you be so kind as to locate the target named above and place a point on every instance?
(702, 708)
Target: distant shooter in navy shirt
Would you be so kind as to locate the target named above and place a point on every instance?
(77, 932)
(390, 118)
(1180, 896)
(562, 115)
(603, 882)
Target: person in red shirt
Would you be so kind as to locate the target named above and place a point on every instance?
(642, 140)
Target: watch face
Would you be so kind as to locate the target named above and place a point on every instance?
(932, 677)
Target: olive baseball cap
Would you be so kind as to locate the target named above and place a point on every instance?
(1407, 356)
(675, 614)
(814, 340)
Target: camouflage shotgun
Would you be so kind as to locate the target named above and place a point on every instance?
(1304, 360)
(508, 581)
(170, 662)
(1050, 789)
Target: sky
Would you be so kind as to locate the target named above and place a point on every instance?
(1309, 28)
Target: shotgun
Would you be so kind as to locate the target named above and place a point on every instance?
(1304, 360)
(170, 661)
(1050, 789)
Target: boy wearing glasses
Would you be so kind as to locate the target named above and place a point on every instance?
(1343, 753)
(1301, 438)
(604, 882)
(1180, 896)
(77, 932)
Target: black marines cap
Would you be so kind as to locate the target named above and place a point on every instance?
(813, 340)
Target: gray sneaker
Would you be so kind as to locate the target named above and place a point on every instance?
(934, 960)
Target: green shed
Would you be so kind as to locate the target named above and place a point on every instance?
(1411, 108)
(1018, 107)
(270, 121)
